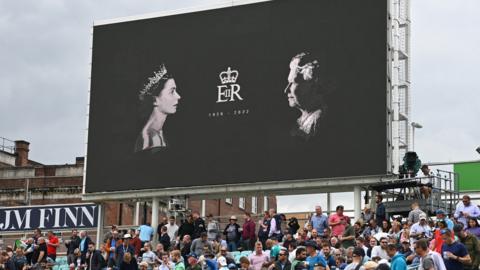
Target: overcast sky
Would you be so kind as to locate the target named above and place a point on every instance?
(45, 56)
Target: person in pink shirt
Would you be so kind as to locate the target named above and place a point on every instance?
(258, 258)
(338, 221)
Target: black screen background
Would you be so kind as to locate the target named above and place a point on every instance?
(259, 41)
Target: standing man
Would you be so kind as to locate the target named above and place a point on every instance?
(213, 228)
(380, 213)
(455, 255)
(172, 229)
(72, 244)
(338, 221)
(232, 234)
(248, 233)
(40, 253)
(466, 209)
(471, 243)
(95, 259)
(275, 225)
(124, 248)
(52, 245)
(319, 220)
(414, 214)
(146, 233)
(198, 225)
(84, 241)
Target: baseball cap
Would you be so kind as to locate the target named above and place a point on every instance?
(440, 212)
(311, 243)
(192, 255)
(423, 216)
(127, 235)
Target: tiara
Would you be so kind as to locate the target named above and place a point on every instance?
(157, 76)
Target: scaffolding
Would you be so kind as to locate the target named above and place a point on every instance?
(437, 191)
(399, 77)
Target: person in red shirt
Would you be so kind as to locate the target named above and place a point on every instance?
(248, 233)
(52, 245)
(338, 221)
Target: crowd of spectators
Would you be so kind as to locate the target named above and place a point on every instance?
(448, 241)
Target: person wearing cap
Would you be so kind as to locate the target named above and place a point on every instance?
(357, 259)
(443, 216)
(314, 258)
(367, 214)
(471, 243)
(232, 234)
(455, 255)
(124, 248)
(201, 244)
(420, 229)
(193, 263)
(466, 209)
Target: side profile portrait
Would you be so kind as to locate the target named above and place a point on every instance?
(305, 92)
(159, 99)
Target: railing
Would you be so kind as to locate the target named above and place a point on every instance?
(439, 191)
(7, 145)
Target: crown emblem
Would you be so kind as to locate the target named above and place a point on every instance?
(228, 76)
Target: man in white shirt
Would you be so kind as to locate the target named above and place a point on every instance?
(381, 250)
(420, 230)
(172, 228)
(466, 209)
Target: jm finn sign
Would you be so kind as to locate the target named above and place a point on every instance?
(48, 217)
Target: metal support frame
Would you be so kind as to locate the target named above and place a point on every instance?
(399, 76)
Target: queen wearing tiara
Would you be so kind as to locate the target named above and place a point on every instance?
(305, 93)
(161, 96)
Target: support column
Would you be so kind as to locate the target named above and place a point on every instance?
(357, 201)
(100, 225)
(136, 213)
(329, 203)
(203, 214)
(154, 222)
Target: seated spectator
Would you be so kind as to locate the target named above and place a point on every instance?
(259, 257)
(473, 227)
(381, 250)
(282, 263)
(358, 255)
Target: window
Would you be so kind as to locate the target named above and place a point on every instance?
(228, 201)
(254, 205)
(241, 202)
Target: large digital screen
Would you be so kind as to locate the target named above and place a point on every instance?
(270, 91)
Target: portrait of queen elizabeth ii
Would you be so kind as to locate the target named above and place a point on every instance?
(160, 98)
(305, 93)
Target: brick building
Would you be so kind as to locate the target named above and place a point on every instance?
(28, 182)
